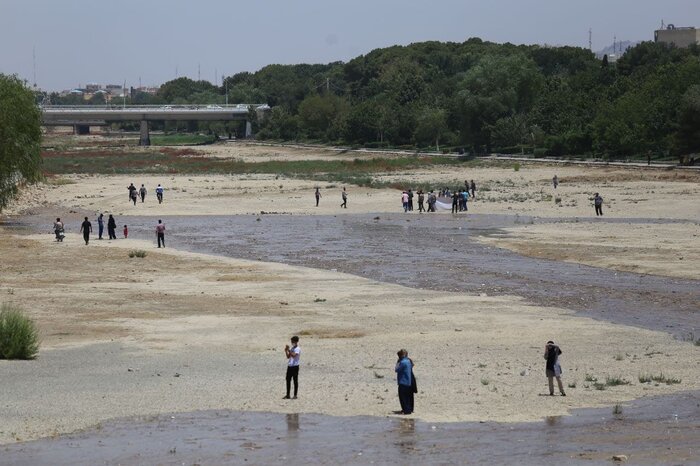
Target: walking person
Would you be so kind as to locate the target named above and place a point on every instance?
(410, 200)
(404, 201)
(598, 203)
(318, 196)
(345, 199)
(160, 233)
(126, 232)
(132, 193)
(405, 380)
(159, 193)
(551, 354)
(86, 229)
(421, 199)
(100, 225)
(555, 181)
(472, 185)
(111, 227)
(142, 193)
(431, 201)
(292, 353)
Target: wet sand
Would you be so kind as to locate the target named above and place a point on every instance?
(649, 432)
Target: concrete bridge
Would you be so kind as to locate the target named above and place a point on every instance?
(81, 117)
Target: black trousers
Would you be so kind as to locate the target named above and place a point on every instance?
(599, 210)
(143, 196)
(86, 237)
(161, 239)
(420, 206)
(112, 234)
(160, 197)
(406, 398)
(292, 374)
(410, 204)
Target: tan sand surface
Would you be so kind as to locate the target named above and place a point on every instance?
(671, 250)
(177, 331)
(628, 192)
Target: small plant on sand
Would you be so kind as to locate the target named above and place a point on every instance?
(572, 384)
(481, 365)
(516, 167)
(137, 253)
(599, 386)
(557, 200)
(485, 381)
(591, 378)
(617, 410)
(661, 378)
(19, 337)
(619, 357)
(615, 381)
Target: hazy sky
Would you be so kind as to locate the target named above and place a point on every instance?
(80, 41)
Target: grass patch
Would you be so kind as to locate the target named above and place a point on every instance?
(615, 381)
(617, 410)
(590, 378)
(59, 181)
(599, 386)
(485, 381)
(137, 253)
(661, 378)
(481, 365)
(19, 336)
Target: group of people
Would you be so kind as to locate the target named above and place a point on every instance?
(86, 229)
(141, 192)
(406, 379)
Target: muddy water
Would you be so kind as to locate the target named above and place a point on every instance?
(652, 431)
(438, 252)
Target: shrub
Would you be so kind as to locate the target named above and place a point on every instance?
(615, 381)
(19, 337)
(137, 253)
(516, 167)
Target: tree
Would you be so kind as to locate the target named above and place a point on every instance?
(20, 137)
(688, 139)
(431, 126)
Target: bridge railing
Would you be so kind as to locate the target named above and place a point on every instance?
(151, 108)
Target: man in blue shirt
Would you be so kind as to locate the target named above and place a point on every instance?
(404, 377)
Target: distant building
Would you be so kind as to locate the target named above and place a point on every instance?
(678, 36)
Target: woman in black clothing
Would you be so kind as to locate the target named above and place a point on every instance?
(112, 227)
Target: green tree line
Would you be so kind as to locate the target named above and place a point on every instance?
(479, 96)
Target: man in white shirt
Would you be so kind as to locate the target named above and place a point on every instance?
(292, 355)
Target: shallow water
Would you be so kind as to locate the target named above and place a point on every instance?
(438, 252)
(651, 431)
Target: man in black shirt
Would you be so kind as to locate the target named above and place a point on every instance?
(86, 229)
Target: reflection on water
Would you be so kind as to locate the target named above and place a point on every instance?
(293, 422)
(552, 420)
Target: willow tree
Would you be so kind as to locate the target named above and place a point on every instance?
(20, 136)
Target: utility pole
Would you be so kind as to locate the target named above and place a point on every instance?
(175, 71)
(590, 39)
(328, 85)
(34, 64)
(199, 75)
(226, 85)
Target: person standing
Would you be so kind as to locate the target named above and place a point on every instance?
(410, 200)
(431, 201)
(551, 355)
(111, 227)
(455, 202)
(404, 378)
(159, 194)
(345, 199)
(126, 232)
(59, 229)
(472, 185)
(142, 193)
(404, 201)
(86, 229)
(598, 203)
(160, 233)
(100, 225)
(292, 353)
(318, 196)
(421, 199)
(555, 181)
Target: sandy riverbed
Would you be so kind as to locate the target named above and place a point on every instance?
(178, 331)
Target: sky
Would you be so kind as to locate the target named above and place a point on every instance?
(153, 41)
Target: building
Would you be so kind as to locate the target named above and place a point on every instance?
(678, 36)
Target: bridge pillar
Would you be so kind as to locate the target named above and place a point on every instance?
(145, 138)
(81, 129)
(248, 129)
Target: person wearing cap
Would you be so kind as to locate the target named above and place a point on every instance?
(551, 355)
